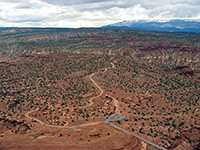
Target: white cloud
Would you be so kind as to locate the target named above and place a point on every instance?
(130, 13)
(91, 13)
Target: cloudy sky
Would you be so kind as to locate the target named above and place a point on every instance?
(91, 13)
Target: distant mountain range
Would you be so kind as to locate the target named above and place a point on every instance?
(175, 25)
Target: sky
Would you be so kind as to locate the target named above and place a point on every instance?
(91, 13)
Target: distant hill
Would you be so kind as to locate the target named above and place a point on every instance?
(176, 25)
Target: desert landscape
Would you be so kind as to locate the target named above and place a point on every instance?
(58, 86)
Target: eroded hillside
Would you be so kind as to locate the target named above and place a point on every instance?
(56, 84)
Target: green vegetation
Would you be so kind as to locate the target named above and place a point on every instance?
(155, 78)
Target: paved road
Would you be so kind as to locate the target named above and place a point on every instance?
(112, 118)
(116, 117)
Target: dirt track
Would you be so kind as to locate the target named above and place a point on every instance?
(91, 103)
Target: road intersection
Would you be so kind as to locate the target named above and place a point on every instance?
(112, 118)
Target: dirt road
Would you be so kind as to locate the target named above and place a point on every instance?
(91, 103)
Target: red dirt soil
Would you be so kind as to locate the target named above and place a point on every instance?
(99, 136)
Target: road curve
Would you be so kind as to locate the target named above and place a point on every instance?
(90, 77)
(91, 100)
(91, 103)
(146, 141)
(55, 126)
(110, 118)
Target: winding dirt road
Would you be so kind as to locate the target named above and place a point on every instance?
(91, 100)
(93, 123)
(91, 103)
(54, 126)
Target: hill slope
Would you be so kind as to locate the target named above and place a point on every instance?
(52, 75)
(192, 26)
